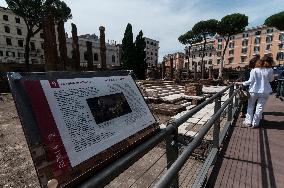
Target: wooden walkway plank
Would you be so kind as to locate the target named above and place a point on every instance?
(253, 158)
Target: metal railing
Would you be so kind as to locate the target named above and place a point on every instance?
(174, 161)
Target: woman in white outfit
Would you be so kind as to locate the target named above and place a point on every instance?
(259, 88)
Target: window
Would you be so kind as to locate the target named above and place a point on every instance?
(218, 61)
(41, 35)
(256, 49)
(5, 17)
(280, 56)
(18, 20)
(257, 40)
(281, 46)
(244, 50)
(231, 45)
(10, 54)
(210, 54)
(219, 46)
(281, 37)
(7, 29)
(154, 44)
(156, 54)
(269, 30)
(20, 43)
(113, 58)
(257, 32)
(268, 47)
(42, 45)
(231, 60)
(32, 46)
(151, 43)
(231, 52)
(245, 43)
(147, 42)
(8, 41)
(243, 59)
(232, 37)
(219, 40)
(96, 57)
(269, 39)
(210, 62)
(245, 35)
(1, 53)
(19, 31)
(151, 53)
(218, 54)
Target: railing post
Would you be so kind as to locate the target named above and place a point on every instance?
(236, 98)
(216, 129)
(172, 154)
(230, 106)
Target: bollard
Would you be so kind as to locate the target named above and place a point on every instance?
(172, 154)
(216, 129)
(230, 106)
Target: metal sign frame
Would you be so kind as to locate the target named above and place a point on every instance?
(38, 149)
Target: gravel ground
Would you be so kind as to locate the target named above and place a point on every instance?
(17, 169)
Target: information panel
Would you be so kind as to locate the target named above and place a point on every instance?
(83, 123)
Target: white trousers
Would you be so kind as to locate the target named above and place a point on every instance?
(261, 98)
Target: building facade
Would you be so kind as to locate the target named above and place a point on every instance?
(241, 48)
(13, 33)
(152, 52)
(194, 55)
(113, 59)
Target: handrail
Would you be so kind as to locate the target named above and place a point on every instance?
(114, 169)
(166, 180)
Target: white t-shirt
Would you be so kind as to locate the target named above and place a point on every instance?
(259, 80)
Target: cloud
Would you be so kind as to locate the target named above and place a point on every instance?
(162, 20)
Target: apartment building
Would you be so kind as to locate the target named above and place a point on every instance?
(13, 31)
(195, 52)
(152, 52)
(241, 48)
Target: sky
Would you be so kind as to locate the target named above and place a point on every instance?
(162, 20)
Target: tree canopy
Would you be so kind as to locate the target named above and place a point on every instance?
(140, 61)
(205, 28)
(189, 38)
(276, 20)
(232, 24)
(128, 49)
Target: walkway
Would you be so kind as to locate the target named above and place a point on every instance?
(253, 157)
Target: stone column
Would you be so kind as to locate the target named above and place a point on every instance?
(50, 46)
(210, 72)
(76, 51)
(163, 69)
(103, 48)
(171, 68)
(195, 70)
(90, 56)
(62, 45)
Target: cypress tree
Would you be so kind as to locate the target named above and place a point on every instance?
(140, 63)
(128, 49)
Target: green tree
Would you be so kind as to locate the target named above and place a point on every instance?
(128, 49)
(140, 62)
(205, 29)
(33, 13)
(228, 26)
(276, 20)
